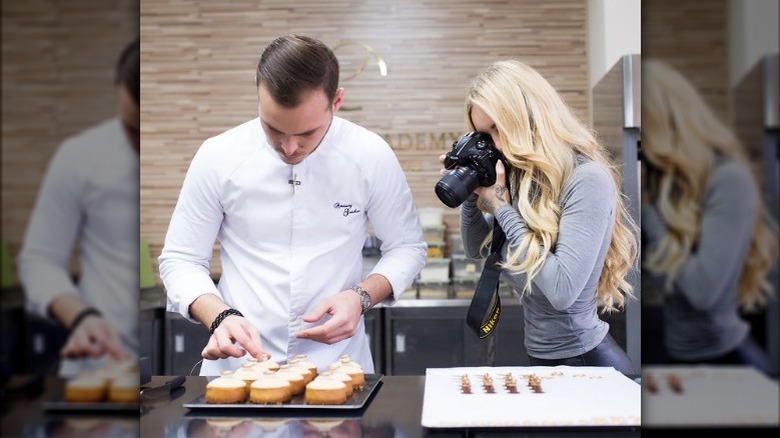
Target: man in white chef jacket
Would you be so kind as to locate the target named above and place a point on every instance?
(89, 196)
(290, 196)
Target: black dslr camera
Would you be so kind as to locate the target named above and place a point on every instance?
(472, 162)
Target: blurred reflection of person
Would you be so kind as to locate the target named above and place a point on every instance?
(708, 241)
(335, 428)
(89, 197)
(225, 427)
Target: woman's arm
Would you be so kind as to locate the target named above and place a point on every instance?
(474, 226)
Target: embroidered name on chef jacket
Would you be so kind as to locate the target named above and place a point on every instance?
(346, 209)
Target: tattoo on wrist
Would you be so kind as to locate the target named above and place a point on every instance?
(500, 190)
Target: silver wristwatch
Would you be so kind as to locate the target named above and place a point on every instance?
(365, 298)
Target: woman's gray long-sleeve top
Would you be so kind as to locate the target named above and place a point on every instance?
(561, 317)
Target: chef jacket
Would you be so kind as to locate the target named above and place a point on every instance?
(290, 235)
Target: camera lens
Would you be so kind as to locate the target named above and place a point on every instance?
(456, 186)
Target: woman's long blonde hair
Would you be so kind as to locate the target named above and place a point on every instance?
(540, 137)
(684, 141)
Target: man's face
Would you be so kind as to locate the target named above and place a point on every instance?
(130, 117)
(294, 133)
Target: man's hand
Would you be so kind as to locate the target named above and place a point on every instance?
(93, 337)
(345, 311)
(234, 329)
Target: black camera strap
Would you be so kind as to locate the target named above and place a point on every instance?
(485, 306)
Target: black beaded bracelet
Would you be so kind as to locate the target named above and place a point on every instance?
(221, 317)
(82, 315)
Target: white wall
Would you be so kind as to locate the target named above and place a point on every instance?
(614, 30)
(753, 33)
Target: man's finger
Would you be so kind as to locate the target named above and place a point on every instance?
(322, 332)
(79, 345)
(315, 333)
(97, 334)
(78, 350)
(115, 350)
(104, 339)
(211, 352)
(255, 347)
(243, 339)
(113, 345)
(317, 313)
(338, 338)
(206, 355)
(226, 344)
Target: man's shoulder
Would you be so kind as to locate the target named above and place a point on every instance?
(238, 141)
(358, 141)
(95, 137)
(245, 131)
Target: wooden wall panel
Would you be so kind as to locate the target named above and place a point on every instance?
(58, 62)
(692, 36)
(198, 60)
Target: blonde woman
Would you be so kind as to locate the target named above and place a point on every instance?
(708, 239)
(569, 240)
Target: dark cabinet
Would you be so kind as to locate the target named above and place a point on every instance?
(510, 337)
(373, 321)
(151, 332)
(423, 337)
(44, 340)
(13, 343)
(437, 336)
(30, 344)
(184, 342)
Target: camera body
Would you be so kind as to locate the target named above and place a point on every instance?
(472, 163)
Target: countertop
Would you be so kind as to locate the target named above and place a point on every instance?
(395, 410)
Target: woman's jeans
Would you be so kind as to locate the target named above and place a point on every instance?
(607, 354)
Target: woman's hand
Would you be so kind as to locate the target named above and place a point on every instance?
(441, 160)
(494, 197)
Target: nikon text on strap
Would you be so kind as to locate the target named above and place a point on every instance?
(485, 306)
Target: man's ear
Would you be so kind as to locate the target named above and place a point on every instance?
(338, 99)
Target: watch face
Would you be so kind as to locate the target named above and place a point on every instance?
(366, 301)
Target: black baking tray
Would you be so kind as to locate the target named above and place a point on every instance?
(357, 401)
(103, 406)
